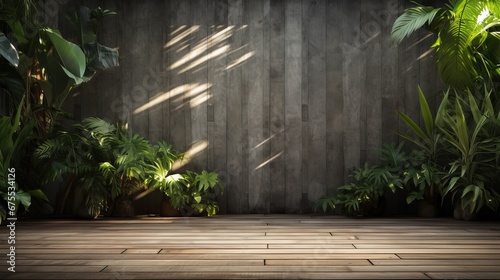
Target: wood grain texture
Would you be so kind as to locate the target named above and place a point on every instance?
(253, 247)
(281, 98)
(277, 107)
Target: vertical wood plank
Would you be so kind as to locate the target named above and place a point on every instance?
(154, 75)
(304, 172)
(178, 51)
(256, 108)
(410, 67)
(389, 12)
(196, 69)
(277, 103)
(234, 111)
(220, 32)
(125, 107)
(335, 101)
(167, 27)
(139, 52)
(266, 86)
(293, 105)
(351, 76)
(372, 28)
(317, 103)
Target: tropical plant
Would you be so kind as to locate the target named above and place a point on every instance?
(191, 191)
(41, 64)
(13, 139)
(423, 179)
(467, 41)
(471, 130)
(107, 161)
(370, 183)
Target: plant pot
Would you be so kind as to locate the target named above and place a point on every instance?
(426, 209)
(123, 208)
(167, 210)
(466, 214)
(373, 208)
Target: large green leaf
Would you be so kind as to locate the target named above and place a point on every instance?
(412, 20)
(71, 56)
(8, 51)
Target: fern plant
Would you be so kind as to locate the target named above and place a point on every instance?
(467, 38)
(107, 161)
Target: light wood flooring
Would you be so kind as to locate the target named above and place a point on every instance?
(253, 247)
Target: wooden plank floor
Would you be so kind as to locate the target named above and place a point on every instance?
(253, 247)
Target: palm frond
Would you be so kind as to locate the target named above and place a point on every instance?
(460, 42)
(412, 20)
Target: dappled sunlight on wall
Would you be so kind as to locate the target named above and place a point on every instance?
(281, 98)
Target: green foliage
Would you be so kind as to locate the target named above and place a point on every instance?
(48, 66)
(196, 191)
(423, 178)
(428, 138)
(110, 163)
(369, 183)
(470, 128)
(107, 160)
(13, 138)
(467, 38)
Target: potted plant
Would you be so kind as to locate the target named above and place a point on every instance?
(158, 173)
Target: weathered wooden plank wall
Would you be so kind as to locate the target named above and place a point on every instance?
(282, 98)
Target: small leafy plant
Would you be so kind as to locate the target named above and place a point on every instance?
(192, 191)
(361, 197)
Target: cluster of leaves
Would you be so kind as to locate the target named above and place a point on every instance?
(471, 128)
(371, 182)
(13, 141)
(466, 131)
(109, 162)
(38, 69)
(194, 190)
(467, 40)
(42, 65)
(461, 142)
